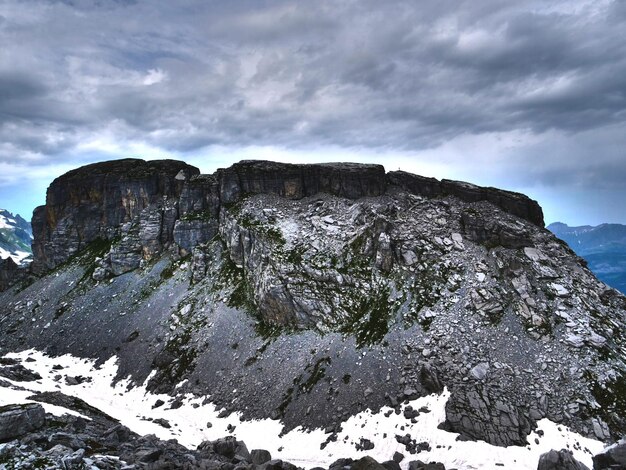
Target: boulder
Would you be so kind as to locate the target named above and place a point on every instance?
(19, 373)
(429, 379)
(225, 447)
(391, 465)
(613, 457)
(366, 463)
(477, 412)
(18, 420)
(559, 460)
(260, 456)
(419, 465)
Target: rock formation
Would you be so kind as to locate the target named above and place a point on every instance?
(561, 460)
(17, 420)
(445, 284)
(98, 201)
(153, 204)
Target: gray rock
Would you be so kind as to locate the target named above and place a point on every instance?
(479, 371)
(260, 456)
(366, 463)
(561, 460)
(225, 446)
(613, 457)
(391, 465)
(18, 420)
(429, 379)
(575, 340)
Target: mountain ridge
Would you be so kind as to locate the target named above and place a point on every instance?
(603, 247)
(15, 237)
(332, 290)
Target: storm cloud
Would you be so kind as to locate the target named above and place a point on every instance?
(86, 79)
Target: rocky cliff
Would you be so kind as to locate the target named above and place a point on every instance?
(151, 205)
(318, 291)
(100, 201)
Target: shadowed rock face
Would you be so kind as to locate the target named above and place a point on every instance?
(349, 180)
(92, 201)
(10, 273)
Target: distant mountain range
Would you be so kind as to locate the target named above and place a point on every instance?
(15, 237)
(603, 246)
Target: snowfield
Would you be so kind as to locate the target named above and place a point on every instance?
(6, 222)
(133, 406)
(18, 256)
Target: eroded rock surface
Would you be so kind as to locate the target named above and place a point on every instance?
(18, 420)
(327, 288)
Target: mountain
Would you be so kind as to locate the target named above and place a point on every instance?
(603, 246)
(317, 311)
(15, 237)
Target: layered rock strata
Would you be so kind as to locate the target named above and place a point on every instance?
(456, 285)
(152, 205)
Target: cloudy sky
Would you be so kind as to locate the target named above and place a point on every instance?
(524, 95)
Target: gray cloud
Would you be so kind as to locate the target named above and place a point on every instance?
(402, 75)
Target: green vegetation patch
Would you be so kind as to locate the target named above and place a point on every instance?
(611, 396)
(314, 374)
(180, 344)
(169, 271)
(204, 216)
(369, 317)
(270, 232)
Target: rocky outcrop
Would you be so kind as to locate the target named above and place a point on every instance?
(73, 442)
(613, 457)
(561, 460)
(475, 413)
(92, 202)
(152, 205)
(511, 202)
(349, 180)
(18, 420)
(11, 273)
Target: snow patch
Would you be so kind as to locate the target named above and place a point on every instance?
(6, 222)
(10, 396)
(18, 256)
(133, 407)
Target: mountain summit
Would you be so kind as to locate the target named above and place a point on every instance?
(311, 293)
(15, 237)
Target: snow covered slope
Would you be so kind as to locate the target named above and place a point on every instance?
(188, 421)
(15, 237)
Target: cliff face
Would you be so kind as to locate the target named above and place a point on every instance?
(516, 204)
(95, 201)
(347, 180)
(189, 276)
(156, 203)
